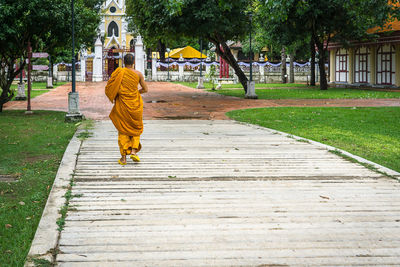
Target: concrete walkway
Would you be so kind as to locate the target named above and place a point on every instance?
(213, 192)
(220, 193)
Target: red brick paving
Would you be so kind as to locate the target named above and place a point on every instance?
(177, 102)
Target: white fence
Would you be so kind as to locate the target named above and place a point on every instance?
(189, 71)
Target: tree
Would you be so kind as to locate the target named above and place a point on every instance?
(214, 20)
(43, 23)
(326, 22)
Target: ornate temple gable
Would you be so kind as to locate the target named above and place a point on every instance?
(119, 4)
(113, 41)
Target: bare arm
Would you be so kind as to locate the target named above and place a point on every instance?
(143, 84)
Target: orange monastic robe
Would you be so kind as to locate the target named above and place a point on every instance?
(127, 113)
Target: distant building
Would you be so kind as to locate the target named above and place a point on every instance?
(114, 27)
(112, 45)
(368, 63)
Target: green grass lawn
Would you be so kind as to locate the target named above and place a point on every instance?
(372, 133)
(38, 88)
(297, 91)
(34, 93)
(312, 93)
(31, 148)
(239, 86)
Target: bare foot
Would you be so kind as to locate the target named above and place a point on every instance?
(123, 160)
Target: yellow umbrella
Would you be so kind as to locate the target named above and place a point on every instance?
(186, 52)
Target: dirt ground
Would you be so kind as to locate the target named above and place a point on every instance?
(174, 101)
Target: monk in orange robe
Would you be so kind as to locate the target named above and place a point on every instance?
(127, 113)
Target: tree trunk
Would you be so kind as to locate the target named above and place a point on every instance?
(323, 82)
(312, 50)
(226, 54)
(161, 50)
(6, 95)
(6, 79)
(291, 78)
(283, 66)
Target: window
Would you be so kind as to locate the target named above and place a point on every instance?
(385, 65)
(342, 71)
(112, 29)
(113, 9)
(361, 68)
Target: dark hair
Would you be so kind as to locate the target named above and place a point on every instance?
(129, 59)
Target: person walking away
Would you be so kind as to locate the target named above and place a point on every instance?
(127, 113)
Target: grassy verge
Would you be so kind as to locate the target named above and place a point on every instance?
(239, 86)
(297, 91)
(38, 88)
(31, 149)
(39, 85)
(371, 133)
(312, 93)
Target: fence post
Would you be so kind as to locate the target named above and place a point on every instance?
(139, 55)
(83, 65)
(261, 69)
(154, 68)
(98, 61)
(181, 69)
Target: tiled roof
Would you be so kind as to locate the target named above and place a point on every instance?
(391, 26)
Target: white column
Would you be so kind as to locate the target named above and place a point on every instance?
(98, 61)
(21, 91)
(83, 65)
(55, 71)
(154, 68)
(139, 55)
(251, 90)
(262, 70)
(49, 83)
(208, 66)
(181, 69)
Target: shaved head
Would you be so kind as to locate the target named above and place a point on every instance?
(129, 59)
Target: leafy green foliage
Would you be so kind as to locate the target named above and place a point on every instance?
(47, 25)
(214, 20)
(356, 130)
(289, 21)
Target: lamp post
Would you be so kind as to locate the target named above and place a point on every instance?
(251, 91)
(200, 81)
(73, 114)
(73, 46)
(168, 50)
(251, 52)
(49, 78)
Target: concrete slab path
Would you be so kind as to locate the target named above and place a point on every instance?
(213, 192)
(220, 193)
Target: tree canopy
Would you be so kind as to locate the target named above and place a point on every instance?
(324, 21)
(214, 20)
(44, 23)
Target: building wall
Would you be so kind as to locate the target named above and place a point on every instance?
(369, 65)
(397, 79)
